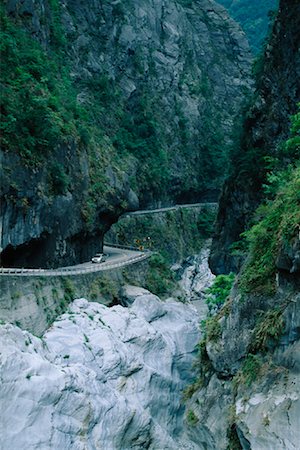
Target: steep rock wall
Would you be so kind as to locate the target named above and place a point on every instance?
(164, 82)
(266, 126)
(175, 233)
(250, 376)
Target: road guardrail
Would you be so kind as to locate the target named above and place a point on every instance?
(68, 271)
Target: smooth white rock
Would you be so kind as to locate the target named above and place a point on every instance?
(100, 378)
(195, 279)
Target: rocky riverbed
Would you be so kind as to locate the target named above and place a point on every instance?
(100, 377)
(194, 277)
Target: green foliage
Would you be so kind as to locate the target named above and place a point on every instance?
(103, 286)
(16, 295)
(191, 418)
(278, 220)
(139, 134)
(203, 368)
(213, 329)
(191, 389)
(205, 222)
(249, 371)
(59, 180)
(292, 145)
(160, 279)
(268, 331)
(278, 225)
(282, 164)
(45, 110)
(233, 439)
(218, 293)
(69, 290)
(37, 100)
(175, 234)
(57, 37)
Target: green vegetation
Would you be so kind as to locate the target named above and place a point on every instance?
(218, 293)
(159, 278)
(213, 329)
(191, 418)
(233, 439)
(278, 219)
(267, 331)
(191, 389)
(46, 111)
(249, 371)
(37, 98)
(203, 369)
(16, 295)
(59, 180)
(69, 290)
(253, 16)
(139, 134)
(216, 298)
(103, 286)
(278, 225)
(175, 234)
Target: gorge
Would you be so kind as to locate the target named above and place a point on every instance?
(114, 107)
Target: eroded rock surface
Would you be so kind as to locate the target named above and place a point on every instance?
(100, 378)
(250, 391)
(195, 278)
(266, 126)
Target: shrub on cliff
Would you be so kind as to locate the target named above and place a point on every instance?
(38, 107)
(217, 294)
(278, 219)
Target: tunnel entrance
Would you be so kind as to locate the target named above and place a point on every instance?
(31, 255)
(50, 252)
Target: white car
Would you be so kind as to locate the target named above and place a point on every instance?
(99, 258)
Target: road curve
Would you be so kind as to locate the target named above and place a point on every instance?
(170, 208)
(117, 257)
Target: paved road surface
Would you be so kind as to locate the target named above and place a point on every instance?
(117, 257)
(170, 208)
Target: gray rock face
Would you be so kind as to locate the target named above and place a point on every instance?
(100, 377)
(194, 278)
(266, 415)
(40, 229)
(266, 126)
(190, 64)
(193, 62)
(289, 257)
(252, 388)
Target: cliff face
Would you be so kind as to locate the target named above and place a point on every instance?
(249, 357)
(266, 126)
(155, 87)
(253, 17)
(251, 376)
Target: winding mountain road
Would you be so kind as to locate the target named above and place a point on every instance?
(171, 208)
(118, 256)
